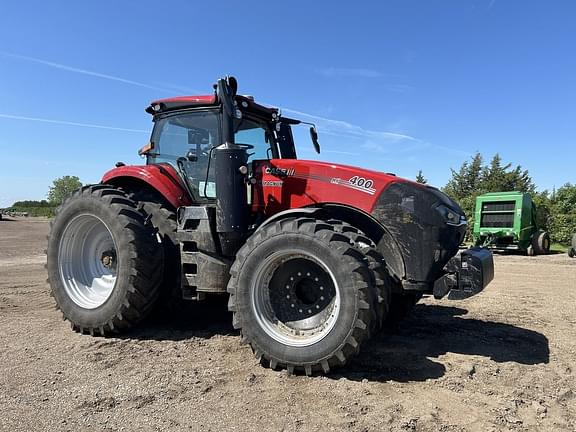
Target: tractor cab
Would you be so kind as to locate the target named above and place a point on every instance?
(187, 130)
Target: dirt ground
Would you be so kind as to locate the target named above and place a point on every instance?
(503, 360)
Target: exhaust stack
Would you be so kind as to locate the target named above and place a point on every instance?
(229, 158)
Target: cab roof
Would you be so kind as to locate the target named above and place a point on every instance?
(186, 102)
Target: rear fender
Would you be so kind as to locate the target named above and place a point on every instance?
(162, 178)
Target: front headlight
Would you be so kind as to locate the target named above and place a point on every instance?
(450, 216)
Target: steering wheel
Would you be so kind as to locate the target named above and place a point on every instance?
(245, 146)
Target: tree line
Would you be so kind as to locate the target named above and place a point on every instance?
(61, 188)
(556, 209)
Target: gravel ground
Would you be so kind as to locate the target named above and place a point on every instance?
(503, 360)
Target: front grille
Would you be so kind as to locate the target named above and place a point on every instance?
(497, 220)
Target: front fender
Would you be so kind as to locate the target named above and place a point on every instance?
(385, 243)
(162, 177)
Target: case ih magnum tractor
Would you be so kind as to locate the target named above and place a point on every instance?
(314, 256)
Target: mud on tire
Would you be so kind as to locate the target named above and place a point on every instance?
(104, 262)
(299, 293)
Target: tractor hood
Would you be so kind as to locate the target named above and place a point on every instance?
(291, 183)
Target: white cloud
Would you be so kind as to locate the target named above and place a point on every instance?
(70, 123)
(83, 71)
(381, 142)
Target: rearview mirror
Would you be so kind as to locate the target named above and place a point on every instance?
(314, 137)
(146, 149)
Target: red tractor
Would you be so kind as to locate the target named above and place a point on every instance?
(314, 256)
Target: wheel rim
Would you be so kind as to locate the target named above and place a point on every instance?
(87, 261)
(295, 298)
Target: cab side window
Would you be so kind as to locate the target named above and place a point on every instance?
(194, 133)
(257, 135)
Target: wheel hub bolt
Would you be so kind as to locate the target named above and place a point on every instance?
(107, 259)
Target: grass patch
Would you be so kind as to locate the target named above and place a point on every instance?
(558, 247)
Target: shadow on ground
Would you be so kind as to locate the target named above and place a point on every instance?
(434, 330)
(203, 319)
(522, 253)
(401, 355)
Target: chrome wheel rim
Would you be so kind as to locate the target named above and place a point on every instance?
(295, 298)
(87, 261)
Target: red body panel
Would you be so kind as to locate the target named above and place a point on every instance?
(199, 100)
(161, 177)
(283, 184)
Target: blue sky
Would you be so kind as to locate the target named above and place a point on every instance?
(395, 86)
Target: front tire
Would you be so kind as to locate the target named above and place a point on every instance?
(104, 262)
(299, 292)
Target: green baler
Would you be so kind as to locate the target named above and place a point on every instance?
(507, 221)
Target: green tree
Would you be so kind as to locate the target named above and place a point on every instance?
(465, 186)
(62, 188)
(502, 178)
(543, 209)
(466, 181)
(563, 213)
(32, 203)
(420, 178)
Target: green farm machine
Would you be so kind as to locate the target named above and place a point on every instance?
(507, 221)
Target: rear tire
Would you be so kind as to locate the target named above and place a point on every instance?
(571, 252)
(163, 218)
(104, 263)
(299, 293)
